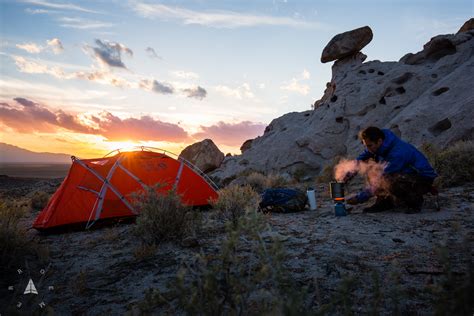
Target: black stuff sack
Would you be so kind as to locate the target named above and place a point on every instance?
(283, 200)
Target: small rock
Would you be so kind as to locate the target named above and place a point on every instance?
(190, 242)
(398, 240)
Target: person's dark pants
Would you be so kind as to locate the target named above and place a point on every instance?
(404, 190)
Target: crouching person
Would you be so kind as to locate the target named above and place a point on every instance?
(406, 177)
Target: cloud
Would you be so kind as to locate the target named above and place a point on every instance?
(99, 76)
(197, 93)
(224, 19)
(25, 102)
(103, 77)
(151, 53)
(60, 6)
(56, 45)
(110, 53)
(156, 86)
(34, 67)
(295, 84)
(142, 129)
(30, 117)
(31, 48)
(53, 44)
(305, 74)
(240, 92)
(185, 74)
(231, 134)
(83, 24)
(38, 11)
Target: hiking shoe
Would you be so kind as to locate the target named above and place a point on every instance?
(380, 205)
(414, 206)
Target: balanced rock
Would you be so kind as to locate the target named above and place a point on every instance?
(346, 44)
(205, 155)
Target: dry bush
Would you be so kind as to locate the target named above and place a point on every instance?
(234, 201)
(455, 164)
(276, 181)
(246, 277)
(259, 182)
(163, 216)
(13, 242)
(39, 200)
(144, 252)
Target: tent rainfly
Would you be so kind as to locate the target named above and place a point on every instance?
(100, 188)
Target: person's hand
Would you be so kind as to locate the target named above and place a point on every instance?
(349, 176)
(352, 200)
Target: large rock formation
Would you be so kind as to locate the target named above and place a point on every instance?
(425, 98)
(205, 155)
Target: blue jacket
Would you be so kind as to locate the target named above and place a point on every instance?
(400, 157)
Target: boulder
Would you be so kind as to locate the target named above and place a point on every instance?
(205, 155)
(346, 44)
(246, 145)
(438, 47)
(467, 26)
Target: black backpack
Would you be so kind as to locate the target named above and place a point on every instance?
(283, 200)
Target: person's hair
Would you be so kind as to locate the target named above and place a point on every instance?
(371, 133)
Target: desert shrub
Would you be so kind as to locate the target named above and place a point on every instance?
(163, 216)
(39, 200)
(259, 182)
(455, 164)
(144, 252)
(13, 242)
(247, 276)
(275, 180)
(452, 294)
(234, 201)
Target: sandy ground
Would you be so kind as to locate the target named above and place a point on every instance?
(98, 271)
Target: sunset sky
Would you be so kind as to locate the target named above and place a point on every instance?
(86, 77)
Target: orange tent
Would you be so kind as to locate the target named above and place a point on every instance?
(100, 188)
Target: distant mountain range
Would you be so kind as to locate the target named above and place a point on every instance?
(14, 154)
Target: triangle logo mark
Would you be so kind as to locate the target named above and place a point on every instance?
(30, 288)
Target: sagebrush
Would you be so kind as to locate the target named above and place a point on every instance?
(234, 201)
(13, 242)
(259, 181)
(39, 200)
(455, 164)
(247, 276)
(163, 216)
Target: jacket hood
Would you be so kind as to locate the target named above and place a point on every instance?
(388, 142)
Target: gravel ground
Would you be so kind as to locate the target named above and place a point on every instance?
(107, 271)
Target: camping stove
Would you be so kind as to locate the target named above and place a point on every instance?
(337, 194)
